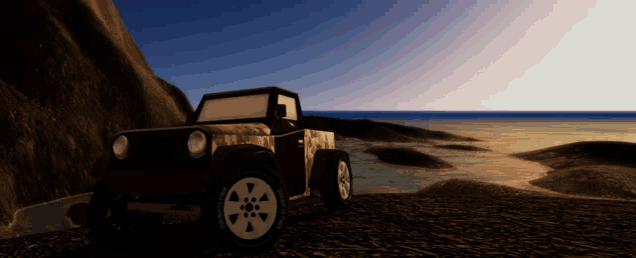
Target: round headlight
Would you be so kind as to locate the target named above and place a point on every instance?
(197, 144)
(120, 147)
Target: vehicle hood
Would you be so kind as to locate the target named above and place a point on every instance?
(242, 129)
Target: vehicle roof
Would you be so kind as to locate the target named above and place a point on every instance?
(253, 91)
(250, 92)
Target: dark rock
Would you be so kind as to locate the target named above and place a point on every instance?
(407, 157)
(179, 96)
(70, 79)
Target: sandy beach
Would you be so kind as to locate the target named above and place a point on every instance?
(482, 163)
(495, 158)
(489, 156)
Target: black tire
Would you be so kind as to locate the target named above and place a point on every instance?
(333, 182)
(259, 231)
(139, 230)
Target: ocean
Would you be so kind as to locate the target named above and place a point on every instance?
(477, 115)
(512, 131)
(503, 132)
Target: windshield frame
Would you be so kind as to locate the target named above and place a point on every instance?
(233, 108)
(265, 120)
(268, 120)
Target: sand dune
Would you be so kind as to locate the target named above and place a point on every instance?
(597, 170)
(598, 181)
(584, 153)
(594, 169)
(478, 189)
(407, 157)
(458, 186)
(461, 147)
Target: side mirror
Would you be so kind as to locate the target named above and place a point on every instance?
(281, 111)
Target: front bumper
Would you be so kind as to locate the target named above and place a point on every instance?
(172, 203)
(157, 181)
(164, 208)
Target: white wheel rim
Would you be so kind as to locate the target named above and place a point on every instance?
(344, 180)
(250, 208)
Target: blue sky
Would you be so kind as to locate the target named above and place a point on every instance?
(396, 55)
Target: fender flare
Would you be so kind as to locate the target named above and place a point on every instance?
(317, 180)
(229, 161)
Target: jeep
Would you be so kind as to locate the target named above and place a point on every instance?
(241, 159)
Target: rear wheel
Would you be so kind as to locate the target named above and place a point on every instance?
(338, 185)
(249, 212)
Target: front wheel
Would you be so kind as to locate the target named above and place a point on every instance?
(338, 185)
(249, 213)
(112, 225)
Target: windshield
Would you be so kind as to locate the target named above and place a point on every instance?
(252, 106)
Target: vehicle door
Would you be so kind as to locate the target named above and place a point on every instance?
(290, 148)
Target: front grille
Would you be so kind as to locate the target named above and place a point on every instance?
(164, 150)
(159, 150)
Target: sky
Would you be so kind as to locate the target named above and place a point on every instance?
(463, 55)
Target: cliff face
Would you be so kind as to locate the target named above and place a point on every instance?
(71, 77)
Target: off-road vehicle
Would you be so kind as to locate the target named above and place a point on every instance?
(238, 163)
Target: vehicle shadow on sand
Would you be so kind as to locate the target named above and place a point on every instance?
(188, 239)
(185, 239)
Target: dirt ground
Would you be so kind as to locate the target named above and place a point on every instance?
(398, 225)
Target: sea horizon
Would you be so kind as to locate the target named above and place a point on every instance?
(573, 111)
(475, 114)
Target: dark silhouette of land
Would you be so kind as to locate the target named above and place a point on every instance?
(595, 168)
(407, 157)
(377, 131)
(461, 147)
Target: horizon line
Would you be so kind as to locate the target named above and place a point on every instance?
(469, 111)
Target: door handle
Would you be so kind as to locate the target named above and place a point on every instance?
(300, 143)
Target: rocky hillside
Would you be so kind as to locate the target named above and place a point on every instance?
(71, 77)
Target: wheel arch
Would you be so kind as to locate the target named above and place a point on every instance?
(228, 162)
(321, 157)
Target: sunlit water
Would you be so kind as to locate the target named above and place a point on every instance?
(496, 166)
